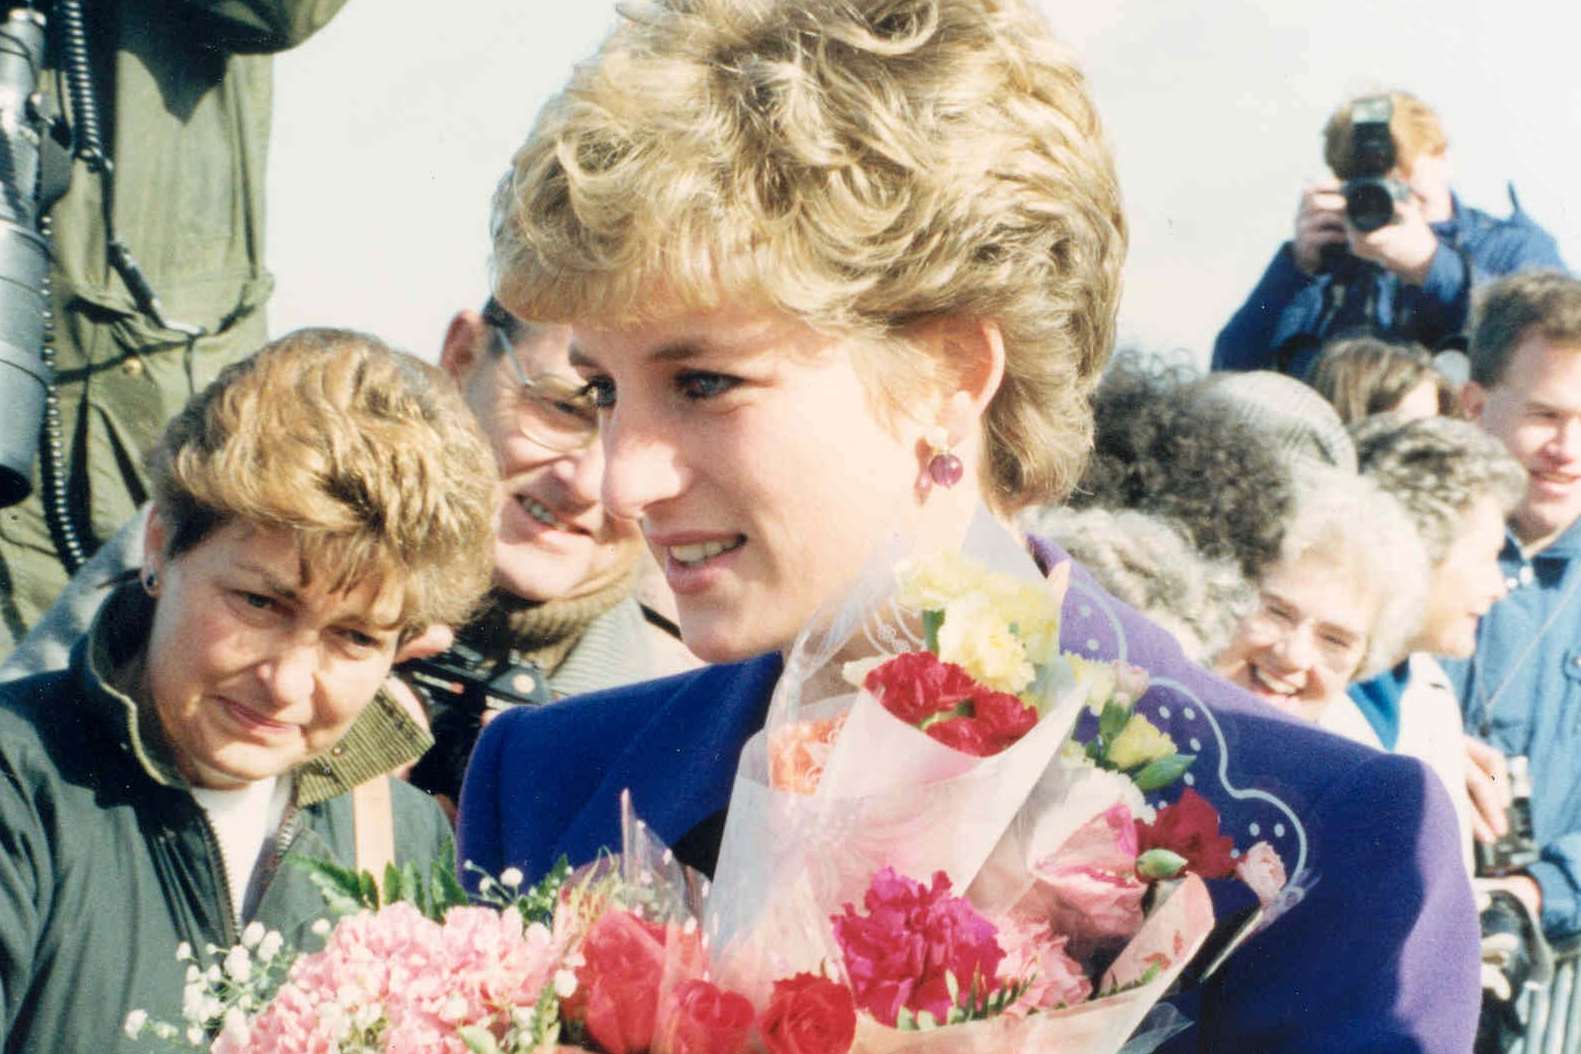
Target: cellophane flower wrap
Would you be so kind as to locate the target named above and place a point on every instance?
(919, 823)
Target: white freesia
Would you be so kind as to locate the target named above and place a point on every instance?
(135, 1021)
(238, 965)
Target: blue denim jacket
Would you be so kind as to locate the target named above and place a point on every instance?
(1288, 304)
(1521, 692)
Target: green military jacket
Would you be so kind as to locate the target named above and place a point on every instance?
(107, 863)
(185, 91)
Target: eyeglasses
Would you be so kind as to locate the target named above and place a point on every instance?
(550, 410)
(1335, 649)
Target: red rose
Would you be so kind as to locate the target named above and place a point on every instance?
(704, 1019)
(617, 994)
(916, 685)
(1190, 827)
(808, 1014)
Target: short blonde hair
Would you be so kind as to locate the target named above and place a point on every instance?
(369, 456)
(867, 166)
(1413, 125)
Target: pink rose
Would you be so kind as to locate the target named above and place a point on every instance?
(912, 938)
(1262, 869)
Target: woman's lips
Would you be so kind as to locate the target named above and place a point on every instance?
(693, 563)
(254, 722)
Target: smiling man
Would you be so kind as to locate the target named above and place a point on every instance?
(1521, 690)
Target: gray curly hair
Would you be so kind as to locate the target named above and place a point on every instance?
(1361, 531)
(1438, 468)
(1148, 563)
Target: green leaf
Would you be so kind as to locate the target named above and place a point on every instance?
(925, 1021)
(1163, 772)
(392, 883)
(538, 903)
(340, 886)
(904, 1021)
(932, 621)
(952, 986)
(368, 890)
(1113, 719)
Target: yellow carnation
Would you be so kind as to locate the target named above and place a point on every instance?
(1139, 743)
(1031, 608)
(931, 583)
(976, 637)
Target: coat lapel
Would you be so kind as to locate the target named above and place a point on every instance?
(681, 765)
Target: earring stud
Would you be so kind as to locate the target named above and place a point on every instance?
(944, 468)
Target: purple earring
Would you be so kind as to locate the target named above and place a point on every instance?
(944, 468)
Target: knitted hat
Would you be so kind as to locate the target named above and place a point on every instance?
(1299, 421)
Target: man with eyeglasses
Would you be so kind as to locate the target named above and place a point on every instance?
(564, 616)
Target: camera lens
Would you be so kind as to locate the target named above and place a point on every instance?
(1369, 204)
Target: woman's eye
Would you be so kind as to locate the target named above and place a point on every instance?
(699, 385)
(599, 393)
(256, 601)
(360, 640)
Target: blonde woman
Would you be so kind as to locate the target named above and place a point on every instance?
(838, 269)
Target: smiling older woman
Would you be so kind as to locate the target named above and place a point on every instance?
(804, 248)
(317, 510)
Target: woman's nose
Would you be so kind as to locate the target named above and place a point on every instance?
(1295, 648)
(290, 672)
(643, 465)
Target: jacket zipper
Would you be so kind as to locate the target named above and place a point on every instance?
(222, 875)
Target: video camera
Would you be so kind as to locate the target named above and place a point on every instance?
(1370, 193)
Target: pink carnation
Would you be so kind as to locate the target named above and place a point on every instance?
(912, 938)
(1032, 951)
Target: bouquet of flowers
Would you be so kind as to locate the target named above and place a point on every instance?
(948, 817)
(416, 967)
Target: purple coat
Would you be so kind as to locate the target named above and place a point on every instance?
(1379, 954)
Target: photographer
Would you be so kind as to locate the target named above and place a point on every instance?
(169, 132)
(1384, 248)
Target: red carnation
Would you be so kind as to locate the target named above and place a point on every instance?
(808, 1014)
(916, 685)
(963, 734)
(1190, 827)
(1004, 718)
(705, 1019)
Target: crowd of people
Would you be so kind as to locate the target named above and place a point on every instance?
(775, 283)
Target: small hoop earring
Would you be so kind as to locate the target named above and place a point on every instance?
(944, 468)
(151, 583)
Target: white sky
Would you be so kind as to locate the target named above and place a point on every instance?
(392, 125)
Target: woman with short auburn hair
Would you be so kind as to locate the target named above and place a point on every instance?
(841, 269)
(320, 512)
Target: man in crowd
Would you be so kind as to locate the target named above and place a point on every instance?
(1353, 266)
(1521, 691)
(571, 610)
(183, 94)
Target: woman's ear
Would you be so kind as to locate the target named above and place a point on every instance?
(464, 343)
(156, 536)
(975, 352)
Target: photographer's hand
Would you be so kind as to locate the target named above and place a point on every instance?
(1488, 784)
(1405, 246)
(1320, 222)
